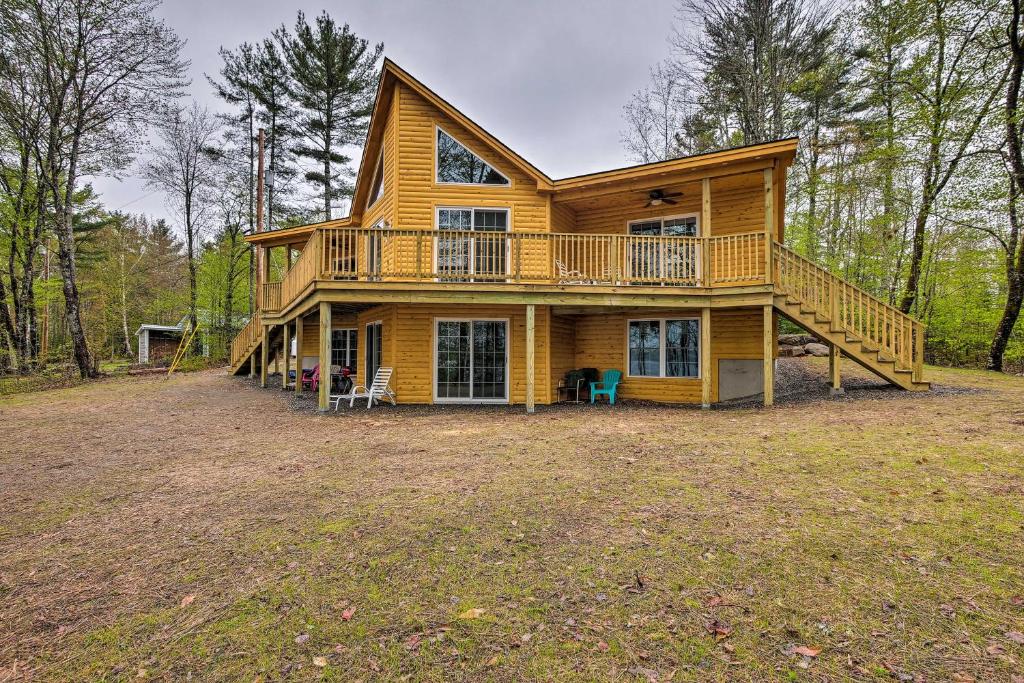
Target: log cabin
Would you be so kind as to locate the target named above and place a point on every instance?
(479, 279)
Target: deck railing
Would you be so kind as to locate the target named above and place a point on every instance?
(271, 300)
(880, 326)
(399, 255)
(246, 339)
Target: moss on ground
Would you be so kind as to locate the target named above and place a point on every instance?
(208, 529)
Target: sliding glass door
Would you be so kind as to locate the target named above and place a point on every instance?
(471, 361)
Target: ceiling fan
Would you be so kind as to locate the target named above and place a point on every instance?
(659, 197)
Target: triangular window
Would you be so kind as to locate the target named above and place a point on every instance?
(377, 189)
(456, 164)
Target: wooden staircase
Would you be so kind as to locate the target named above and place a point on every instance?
(867, 330)
(246, 343)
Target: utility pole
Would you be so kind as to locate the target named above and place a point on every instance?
(261, 139)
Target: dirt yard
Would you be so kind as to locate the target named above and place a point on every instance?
(203, 529)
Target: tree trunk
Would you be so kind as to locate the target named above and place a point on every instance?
(1014, 248)
(63, 204)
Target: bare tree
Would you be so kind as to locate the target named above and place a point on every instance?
(655, 116)
(183, 166)
(746, 57)
(100, 69)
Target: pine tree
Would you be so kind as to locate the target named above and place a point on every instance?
(333, 80)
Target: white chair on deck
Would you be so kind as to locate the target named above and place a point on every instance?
(569, 277)
(377, 390)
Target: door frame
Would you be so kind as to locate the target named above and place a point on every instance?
(433, 359)
(471, 255)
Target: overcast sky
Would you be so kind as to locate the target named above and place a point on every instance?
(548, 78)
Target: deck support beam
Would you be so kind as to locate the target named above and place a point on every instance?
(252, 365)
(264, 356)
(299, 324)
(531, 353)
(325, 357)
(835, 380)
(705, 358)
(769, 356)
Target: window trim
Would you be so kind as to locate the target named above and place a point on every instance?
(348, 351)
(368, 377)
(437, 161)
(508, 359)
(378, 167)
(692, 214)
(472, 254)
(372, 238)
(661, 347)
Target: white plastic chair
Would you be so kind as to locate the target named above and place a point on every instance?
(378, 389)
(569, 277)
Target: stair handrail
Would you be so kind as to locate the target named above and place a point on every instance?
(245, 339)
(852, 310)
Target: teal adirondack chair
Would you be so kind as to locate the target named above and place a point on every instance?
(609, 385)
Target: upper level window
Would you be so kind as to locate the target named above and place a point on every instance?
(377, 188)
(669, 226)
(456, 164)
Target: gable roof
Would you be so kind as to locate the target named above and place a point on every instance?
(391, 74)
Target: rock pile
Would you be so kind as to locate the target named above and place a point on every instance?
(796, 345)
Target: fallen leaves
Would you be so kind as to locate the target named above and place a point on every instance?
(188, 600)
(1015, 636)
(301, 638)
(602, 646)
(320, 661)
(719, 629)
(806, 651)
(472, 613)
(348, 613)
(714, 601)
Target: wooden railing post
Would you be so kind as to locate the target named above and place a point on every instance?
(613, 260)
(833, 302)
(419, 255)
(705, 232)
(519, 260)
(918, 369)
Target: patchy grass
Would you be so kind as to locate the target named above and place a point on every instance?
(201, 526)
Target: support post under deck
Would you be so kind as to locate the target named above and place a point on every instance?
(705, 357)
(531, 319)
(769, 357)
(836, 384)
(264, 356)
(299, 324)
(325, 357)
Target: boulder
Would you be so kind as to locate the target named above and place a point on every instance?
(796, 339)
(815, 349)
(790, 351)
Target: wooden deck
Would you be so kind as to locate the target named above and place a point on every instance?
(368, 266)
(469, 260)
